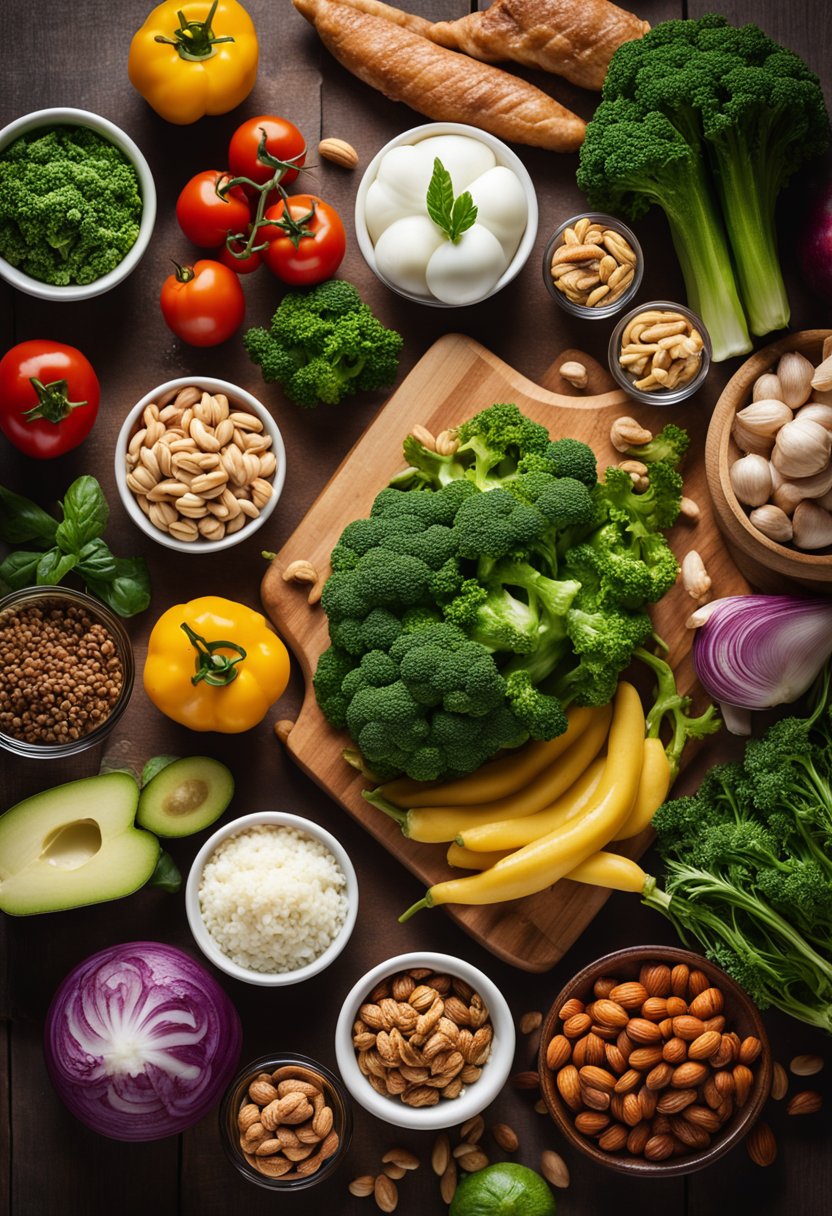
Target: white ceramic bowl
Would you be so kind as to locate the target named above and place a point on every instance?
(206, 942)
(447, 1112)
(64, 116)
(504, 156)
(237, 397)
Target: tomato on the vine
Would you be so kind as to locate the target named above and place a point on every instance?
(283, 140)
(310, 255)
(239, 265)
(203, 304)
(49, 397)
(205, 216)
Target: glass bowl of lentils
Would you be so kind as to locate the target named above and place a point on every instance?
(67, 668)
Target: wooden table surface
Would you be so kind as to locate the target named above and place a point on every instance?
(75, 54)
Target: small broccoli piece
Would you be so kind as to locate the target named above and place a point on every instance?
(496, 524)
(541, 714)
(670, 705)
(669, 446)
(564, 458)
(325, 344)
(378, 630)
(496, 619)
(334, 666)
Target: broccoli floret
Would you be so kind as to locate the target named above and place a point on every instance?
(669, 447)
(564, 458)
(496, 619)
(333, 668)
(325, 344)
(70, 205)
(378, 630)
(749, 109)
(541, 714)
(669, 704)
(496, 524)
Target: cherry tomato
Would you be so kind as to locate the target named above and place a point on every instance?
(318, 255)
(49, 397)
(239, 265)
(206, 217)
(203, 304)
(283, 140)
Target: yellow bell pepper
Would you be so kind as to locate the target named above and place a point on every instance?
(194, 58)
(213, 664)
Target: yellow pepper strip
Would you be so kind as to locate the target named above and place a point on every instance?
(544, 861)
(194, 58)
(514, 833)
(610, 870)
(435, 824)
(213, 664)
(497, 779)
(467, 859)
(655, 781)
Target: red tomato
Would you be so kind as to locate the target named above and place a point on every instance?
(239, 265)
(203, 304)
(204, 216)
(317, 255)
(283, 140)
(48, 398)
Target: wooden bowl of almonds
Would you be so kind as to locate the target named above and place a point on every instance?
(654, 1062)
(200, 464)
(768, 459)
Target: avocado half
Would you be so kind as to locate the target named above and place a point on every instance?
(185, 796)
(72, 845)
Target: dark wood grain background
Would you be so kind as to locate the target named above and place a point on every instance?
(76, 54)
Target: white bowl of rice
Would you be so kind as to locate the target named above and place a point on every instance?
(271, 899)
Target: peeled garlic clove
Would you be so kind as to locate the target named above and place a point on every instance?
(764, 418)
(787, 497)
(751, 480)
(812, 526)
(772, 522)
(822, 379)
(814, 487)
(767, 388)
(802, 448)
(695, 578)
(795, 372)
(747, 441)
(825, 501)
(815, 411)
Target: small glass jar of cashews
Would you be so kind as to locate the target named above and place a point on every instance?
(660, 353)
(199, 464)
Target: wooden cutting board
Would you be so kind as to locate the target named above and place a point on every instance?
(454, 379)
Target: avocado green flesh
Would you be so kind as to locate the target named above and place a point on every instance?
(185, 797)
(72, 845)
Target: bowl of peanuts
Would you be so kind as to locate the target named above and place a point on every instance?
(200, 464)
(424, 1041)
(593, 265)
(660, 353)
(285, 1122)
(654, 1062)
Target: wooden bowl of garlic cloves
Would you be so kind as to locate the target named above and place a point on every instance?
(768, 459)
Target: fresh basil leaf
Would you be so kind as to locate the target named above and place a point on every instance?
(129, 591)
(22, 520)
(85, 514)
(96, 560)
(463, 215)
(440, 197)
(453, 215)
(166, 875)
(54, 566)
(20, 569)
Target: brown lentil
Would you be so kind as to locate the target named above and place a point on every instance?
(62, 673)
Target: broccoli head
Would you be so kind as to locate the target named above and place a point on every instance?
(325, 344)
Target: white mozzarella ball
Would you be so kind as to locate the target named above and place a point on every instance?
(501, 206)
(464, 158)
(404, 250)
(466, 271)
(406, 172)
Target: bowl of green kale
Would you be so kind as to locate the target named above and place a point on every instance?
(77, 204)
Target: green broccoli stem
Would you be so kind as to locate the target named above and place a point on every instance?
(702, 250)
(748, 208)
(670, 702)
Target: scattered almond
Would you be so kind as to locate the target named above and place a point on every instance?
(806, 1066)
(472, 1162)
(339, 152)
(554, 1169)
(473, 1129)
(761, 1145)
(779, 1082)
(401, 1157)
(441, 1154)
(506, 1137)
(807, 1102)
(386, 1193)
(530, 1021)
(525, 1080)
(447, 1183)
(362, 1187)
(394, 1171)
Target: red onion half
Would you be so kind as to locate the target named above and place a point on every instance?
(756, 651)
(141, 1041)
